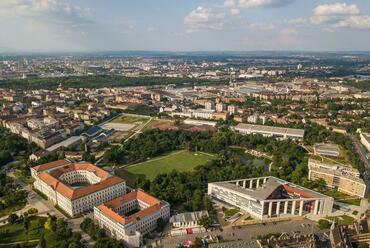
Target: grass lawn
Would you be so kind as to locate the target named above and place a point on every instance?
(342, 220)
(341, 197)
(16, 232)
(179, 160)
(230, 212)
(129, 119)
(355, 201)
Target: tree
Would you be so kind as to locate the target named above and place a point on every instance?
(49, 224)
(324, 224)
(363, 245)
(161, 224)
(13, 218)
(198, 242)
(42, 242)
(26, 223)
(206, 222)
(32, 211)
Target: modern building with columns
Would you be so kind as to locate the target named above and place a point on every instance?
(268, 197)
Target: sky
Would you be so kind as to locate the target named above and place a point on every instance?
(184, 25)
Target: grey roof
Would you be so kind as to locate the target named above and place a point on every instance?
(65, 143)
(261, 193)
(188, 217)
(265, 189)
(327, 147)
(270, 129)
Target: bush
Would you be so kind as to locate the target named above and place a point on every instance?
(13, 218)
(32, 211)
(324, 224)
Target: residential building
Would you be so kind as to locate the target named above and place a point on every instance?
(220, 107)
(209, 105)
(232, 109)
(345, 178)
(203, 114)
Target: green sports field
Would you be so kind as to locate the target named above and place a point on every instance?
(126, 119)
(179, 160)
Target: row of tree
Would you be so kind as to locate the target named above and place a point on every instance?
(98, 81)
(186, 190)
(99, 235)
(10, 196)
(12, 145)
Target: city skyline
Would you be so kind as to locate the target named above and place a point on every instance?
(229, 25)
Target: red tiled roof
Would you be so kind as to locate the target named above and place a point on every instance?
(51, 165)
(81, 166)
(108, 207)
(297, 191)
(52, 179)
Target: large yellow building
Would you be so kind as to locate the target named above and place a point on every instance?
(345, 179)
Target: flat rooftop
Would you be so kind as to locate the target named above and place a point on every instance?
(265, 190)
(327, 147)
(270, 129)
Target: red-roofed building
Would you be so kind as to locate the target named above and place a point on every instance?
(131, 216)
(76, 187)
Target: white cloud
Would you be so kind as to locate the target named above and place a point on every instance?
(234, 11)
(359, 22)
(56, 11)
(317, 20)
(297, 21)
(202, 15)
(229, 3)
(336, 9)
(263, 3)
(262, 26)
(339, 15)
(204, 18)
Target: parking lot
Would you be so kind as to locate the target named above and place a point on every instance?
(249, 233)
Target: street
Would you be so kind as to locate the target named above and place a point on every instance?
(249, 233)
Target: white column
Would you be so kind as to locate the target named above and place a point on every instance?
(258, 183)
(250, 184)
(278, 209)
(286, 207)
(301, 208)
(264, 180)
(293, 207)
(316, 207)
(244, 183)
(270, 209)
(321, 209)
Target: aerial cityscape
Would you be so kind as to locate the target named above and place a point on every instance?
(173, 124)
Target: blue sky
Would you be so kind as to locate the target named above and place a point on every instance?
(184, 25)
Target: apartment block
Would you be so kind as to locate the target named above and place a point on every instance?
(345, 179)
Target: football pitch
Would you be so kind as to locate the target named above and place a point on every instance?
(180, 160)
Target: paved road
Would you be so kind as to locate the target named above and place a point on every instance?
(360, 151)
(20, 242)
(46, 207)
(248, 233)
